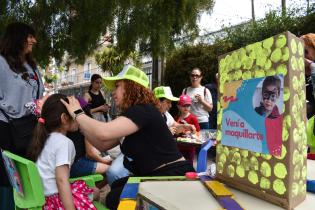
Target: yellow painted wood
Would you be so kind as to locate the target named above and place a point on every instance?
(127, 205)
(218, 189)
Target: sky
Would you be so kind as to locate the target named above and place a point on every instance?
(226, 12)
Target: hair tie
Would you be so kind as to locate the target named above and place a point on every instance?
(41, 120)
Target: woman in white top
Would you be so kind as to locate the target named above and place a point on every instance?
(201, 98)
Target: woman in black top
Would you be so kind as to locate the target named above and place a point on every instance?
(94, 97)
(148, 146)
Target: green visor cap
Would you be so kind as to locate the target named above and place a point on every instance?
(164, 92)
(129, 72)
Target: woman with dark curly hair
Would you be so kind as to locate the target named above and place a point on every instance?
(148, 147)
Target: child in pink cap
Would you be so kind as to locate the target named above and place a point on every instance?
(185, 117)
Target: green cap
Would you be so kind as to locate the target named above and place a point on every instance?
(164, 92)
(129, 72)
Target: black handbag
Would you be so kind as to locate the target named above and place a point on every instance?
(21, 130)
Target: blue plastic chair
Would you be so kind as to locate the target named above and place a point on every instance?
(203, 156)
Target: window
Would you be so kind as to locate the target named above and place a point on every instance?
(87, 72)
(72, 76)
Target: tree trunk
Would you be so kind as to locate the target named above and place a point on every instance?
(284, 7)
(253, 10)
(162, 65)
(308, 7)
(155, 72)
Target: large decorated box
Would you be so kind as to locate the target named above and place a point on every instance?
(262, 120)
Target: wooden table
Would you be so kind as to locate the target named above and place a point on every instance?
(187, 195)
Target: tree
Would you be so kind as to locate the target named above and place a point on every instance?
(283, 7)
(113, 61)
(253, 10)
(76, 27)
(308, 6)
(205, 56)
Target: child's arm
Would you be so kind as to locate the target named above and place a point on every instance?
(182, 127)
(63, 185)
(94, 154)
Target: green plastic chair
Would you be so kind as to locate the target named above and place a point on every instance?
(33, 190)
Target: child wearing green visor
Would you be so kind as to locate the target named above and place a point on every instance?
(148, 147)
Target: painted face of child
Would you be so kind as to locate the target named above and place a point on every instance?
(184, 109)
(270, 96)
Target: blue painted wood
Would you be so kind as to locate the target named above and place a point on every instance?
(130, 191)
(204, 178)
(229, 203)
(310, 186)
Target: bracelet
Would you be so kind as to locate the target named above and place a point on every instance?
(77, 115)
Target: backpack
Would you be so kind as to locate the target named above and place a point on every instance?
(213, 112)
(204, 92)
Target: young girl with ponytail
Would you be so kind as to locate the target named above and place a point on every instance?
(54, 153)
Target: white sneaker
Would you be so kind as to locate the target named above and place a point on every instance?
(211, 169)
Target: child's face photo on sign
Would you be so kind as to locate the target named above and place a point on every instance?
(252, 114)
(266, 97)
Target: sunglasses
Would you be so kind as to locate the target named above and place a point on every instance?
(269, 95)
(195, 75)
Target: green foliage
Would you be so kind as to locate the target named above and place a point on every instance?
(155, 24)
(273, 24)
(75, 26)
(111, 60)
(50, 78)
(181, 61)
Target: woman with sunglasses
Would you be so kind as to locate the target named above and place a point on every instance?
(270, 94)
(20, 86)
(201, 98)
(309, 53)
